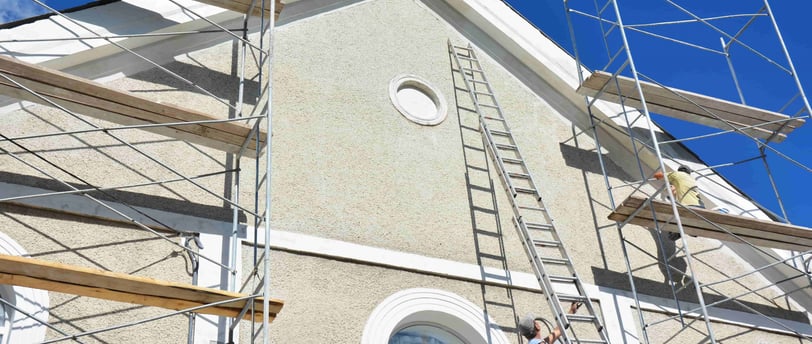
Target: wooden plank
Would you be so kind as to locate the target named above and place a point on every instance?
(664, 101)
(96, 100)
(63, 278)
(242, 6)
(756, 231)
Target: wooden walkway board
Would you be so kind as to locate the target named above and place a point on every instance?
(62, 278)
(683, 105)
(96, 100)
(241, 6)
(755, 231)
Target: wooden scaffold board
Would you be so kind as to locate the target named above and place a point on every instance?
(683, 105)
(75, 280)
(92, 99)
(758, 232)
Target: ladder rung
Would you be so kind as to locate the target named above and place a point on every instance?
(505, 146)
(519, 175)
(580, 317)
(562, 279)
(546, 243)
(465, 57)
(484, 93)
(490, 106)
(552, 260)
(512, 160)
(493, 118)
(463, 48)
(590, 341)
(499, 132)
(572, 298)
(471, 69)
(525, 190)
(532, 208)
(476, 81)
(543, 226)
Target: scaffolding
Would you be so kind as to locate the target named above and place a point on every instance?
(242, 133)
(604, 34)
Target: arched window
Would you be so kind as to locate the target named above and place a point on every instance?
(3, 322)
(425, 334)
(433, 315)
(17, 327)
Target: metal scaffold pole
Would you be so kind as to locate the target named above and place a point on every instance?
(246, 135)
(620, 81)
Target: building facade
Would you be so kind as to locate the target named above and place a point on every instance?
(389, 220)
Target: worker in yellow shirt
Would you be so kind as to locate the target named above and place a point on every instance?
(684, 190)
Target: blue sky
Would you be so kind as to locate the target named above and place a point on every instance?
(708, 73)
(11, 10)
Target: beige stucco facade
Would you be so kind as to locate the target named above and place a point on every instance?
(347, 167)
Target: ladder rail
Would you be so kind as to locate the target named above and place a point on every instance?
(524, 228)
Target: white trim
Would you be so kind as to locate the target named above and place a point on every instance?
(413, 81)
(616, 305)
(31, 301)
(429, 305)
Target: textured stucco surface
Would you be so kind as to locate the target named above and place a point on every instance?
(103, 246)
(696, 332)
(347, 166)
(339, 297)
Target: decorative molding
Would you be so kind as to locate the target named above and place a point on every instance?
(423, 305)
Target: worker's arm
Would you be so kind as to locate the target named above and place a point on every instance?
(551, 338)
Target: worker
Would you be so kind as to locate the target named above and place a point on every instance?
(530, 328)
(684, 190)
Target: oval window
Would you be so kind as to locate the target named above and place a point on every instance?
(417, 100)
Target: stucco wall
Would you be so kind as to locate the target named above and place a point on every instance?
(105, 246)
(348, 166)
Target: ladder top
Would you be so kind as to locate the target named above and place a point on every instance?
(682, 104)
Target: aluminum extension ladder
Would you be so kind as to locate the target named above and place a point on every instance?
(551, 263)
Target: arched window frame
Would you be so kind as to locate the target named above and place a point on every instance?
(31, 301)
(429, 306)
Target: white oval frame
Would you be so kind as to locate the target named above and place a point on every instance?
(423, 305)
(28, 300)
(411, 80)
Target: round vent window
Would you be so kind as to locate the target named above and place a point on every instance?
(417, 100)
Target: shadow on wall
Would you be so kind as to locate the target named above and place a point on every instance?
(670, 151)
(131, 198)
(587, 160)
(118, 17)
(221, 85)
(620, 280)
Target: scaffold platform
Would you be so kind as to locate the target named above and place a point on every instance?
(713, 224)
(692, 107)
